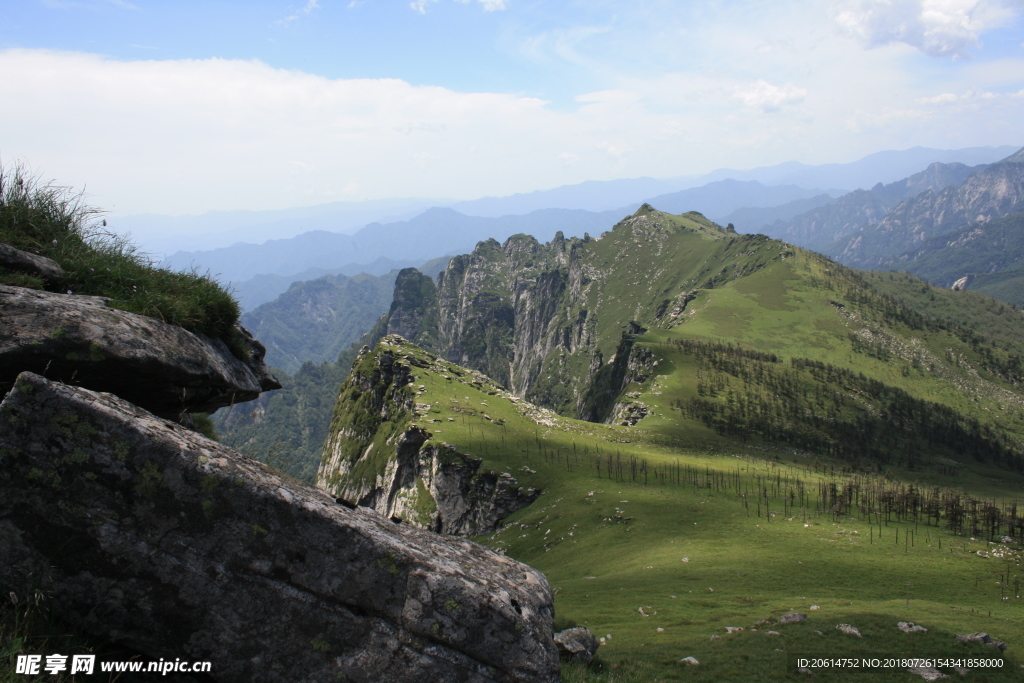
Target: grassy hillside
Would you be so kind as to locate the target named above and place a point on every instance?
(52, 221)
(659, 536)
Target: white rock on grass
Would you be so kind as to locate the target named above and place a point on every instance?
(692, 661)
(792, 618)
(927, 673)
(849, 630)
(911, 627)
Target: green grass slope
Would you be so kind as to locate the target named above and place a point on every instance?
(659, 536)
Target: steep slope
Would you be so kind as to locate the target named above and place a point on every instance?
(863, 208)
(990, 193)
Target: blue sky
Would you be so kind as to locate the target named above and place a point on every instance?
(182, 107)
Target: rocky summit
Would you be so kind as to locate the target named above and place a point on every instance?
(149, 535)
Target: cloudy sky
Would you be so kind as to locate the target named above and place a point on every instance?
(187, 106)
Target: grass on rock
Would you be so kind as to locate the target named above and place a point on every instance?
(53, 221)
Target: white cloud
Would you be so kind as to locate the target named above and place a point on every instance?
(489, 5)
(304, 11)
(939, 28)
(767, 97)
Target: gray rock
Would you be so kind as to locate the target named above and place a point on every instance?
(928, 673)
(911, 627)
(160, 367)
(27, 262)
(849, 630)
(149, 535)
(577, 644)
(983, 638)
(792, 618)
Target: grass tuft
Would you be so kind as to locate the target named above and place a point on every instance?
(53, 221)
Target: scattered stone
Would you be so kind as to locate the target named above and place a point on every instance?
(685, 559)
(849, 630)
(805, 670)
(577, 644)
(818, 632)
(928, 673)
(814, 607)
(984, 638)
(692, 661)
(792, 618)
(911, 627)
(659, 629)
(714, 637)
(149, 535)
(762, 622)
(772, 633)
(27, 262)
(733, 629)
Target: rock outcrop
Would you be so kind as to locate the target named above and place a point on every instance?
(149, 535)
(26, 262)
(161, 367)
(377, 456)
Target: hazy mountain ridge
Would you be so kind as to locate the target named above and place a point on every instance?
(823, 226)
(988, 193)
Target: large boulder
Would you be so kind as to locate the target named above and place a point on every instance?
(151, 536)
(27, 262)
(163, 368)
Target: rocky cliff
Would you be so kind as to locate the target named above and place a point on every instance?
(547, 320)
(378, 455)
(151, 536)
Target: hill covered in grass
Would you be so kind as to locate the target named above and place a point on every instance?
(771, 342)
(665, 537)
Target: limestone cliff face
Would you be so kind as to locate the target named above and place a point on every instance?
(377, 456)
(546, 321)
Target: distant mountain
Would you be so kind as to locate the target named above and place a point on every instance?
(989, 193)
(881, 167)
(435, 232)
(722, 197)
(861, 209)
(263, 288)
(757, 219)
(592, 195)
(315, 319)
(161, 235)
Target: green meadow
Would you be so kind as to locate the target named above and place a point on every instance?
(662, 537)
